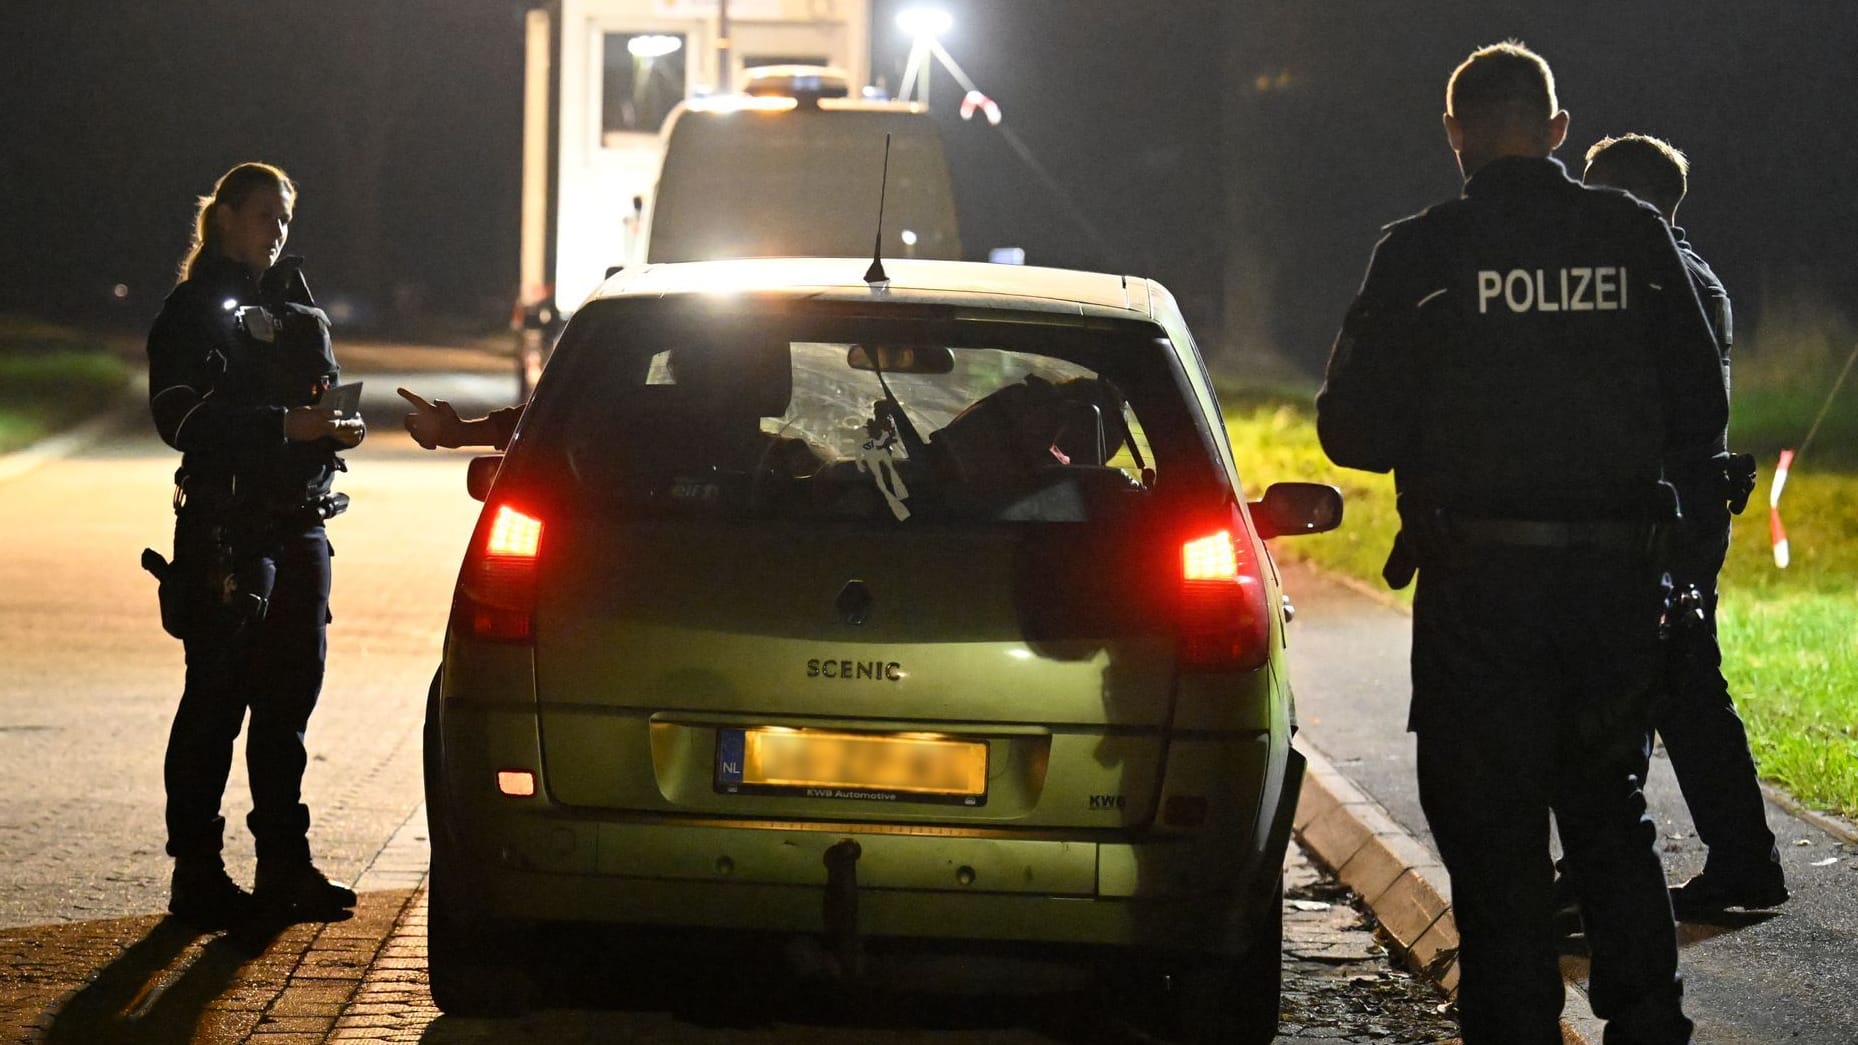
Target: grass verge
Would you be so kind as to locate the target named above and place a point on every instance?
(1789, 637)
(51, 378)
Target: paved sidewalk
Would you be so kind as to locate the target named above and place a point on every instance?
(391, 1003)
(153, 980)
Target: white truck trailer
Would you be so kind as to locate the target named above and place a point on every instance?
(602, 77)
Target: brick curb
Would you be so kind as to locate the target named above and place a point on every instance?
(324, 983)
(1402, 881)
(391, 1001)
(152, 978)
(1839, 828)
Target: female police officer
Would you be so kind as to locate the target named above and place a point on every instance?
(238, 359)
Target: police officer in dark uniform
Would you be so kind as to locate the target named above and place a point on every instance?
(1524, 359)
(238, 359)
(1703, 736)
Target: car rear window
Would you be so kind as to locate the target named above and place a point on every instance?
(661, 406)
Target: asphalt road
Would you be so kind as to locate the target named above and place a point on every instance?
(89, 685)
(1758, 979)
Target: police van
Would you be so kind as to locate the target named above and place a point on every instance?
(794, 167)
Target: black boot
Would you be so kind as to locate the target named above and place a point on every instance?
(1714, 891)
(297, 887)
(205, 897)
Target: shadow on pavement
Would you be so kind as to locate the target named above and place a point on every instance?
(758, 985)
(1689, 931)
(145, 997)
(1697, 930)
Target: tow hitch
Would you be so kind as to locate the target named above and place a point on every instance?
(842, 908)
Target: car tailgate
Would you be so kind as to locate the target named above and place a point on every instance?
(657, 643)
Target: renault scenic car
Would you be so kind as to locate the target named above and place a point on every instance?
(920, 610)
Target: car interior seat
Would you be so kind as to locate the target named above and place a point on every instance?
(1016, 431)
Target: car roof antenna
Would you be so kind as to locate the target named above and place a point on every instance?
(875, 274)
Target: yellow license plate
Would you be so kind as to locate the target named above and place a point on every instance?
(873, 766)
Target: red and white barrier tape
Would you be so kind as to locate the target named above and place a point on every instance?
(1777, 533)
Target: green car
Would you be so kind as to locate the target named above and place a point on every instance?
(921, 609)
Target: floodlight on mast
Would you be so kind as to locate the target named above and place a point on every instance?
(923, 24)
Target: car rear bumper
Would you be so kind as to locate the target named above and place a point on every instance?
(1187, 925)
(775, 879)
(528, 858)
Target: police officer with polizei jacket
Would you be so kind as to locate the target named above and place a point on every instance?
(1525, 359)
(239, 365)
(1703, 735)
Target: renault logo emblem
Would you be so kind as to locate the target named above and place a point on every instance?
(854, 603)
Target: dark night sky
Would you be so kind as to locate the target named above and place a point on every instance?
(401, 122)
(1762, 96)
(118, 113)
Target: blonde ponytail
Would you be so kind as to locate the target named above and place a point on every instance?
(231, 190)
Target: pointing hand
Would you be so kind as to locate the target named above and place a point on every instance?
(431, 424)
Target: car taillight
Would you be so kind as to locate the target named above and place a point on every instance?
(1210, 558)
(1225, 622)
(496, 590)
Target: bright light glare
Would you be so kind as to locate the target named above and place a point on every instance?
(1210, 558)
(909, 237)
(922, 22)
(737, 103)
(513, 534)
(653, 46)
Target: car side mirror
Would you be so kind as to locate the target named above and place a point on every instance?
(1290, 509)
(480, 473)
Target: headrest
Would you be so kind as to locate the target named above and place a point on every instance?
(739, 377)
(1031, 424)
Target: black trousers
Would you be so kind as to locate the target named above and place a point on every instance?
(1703, 735)
(272, 668)
(1533, 672)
